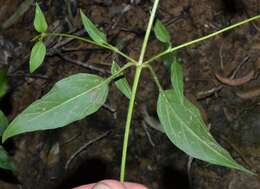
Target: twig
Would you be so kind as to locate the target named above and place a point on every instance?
(204, 94)
(148, 134)
(82, 64)
(236, 149)
(82, 148)
(189, 164)
(149, 120)
(20, 11)
(221, 56)
(36, 76)
(111, 109)
(68, 40)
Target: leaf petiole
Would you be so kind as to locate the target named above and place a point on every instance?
(200, 39)
(154, 76)
(106, 46)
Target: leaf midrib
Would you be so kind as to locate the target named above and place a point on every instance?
(55, 107)
(194, 134)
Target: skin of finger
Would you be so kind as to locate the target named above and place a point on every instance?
(127, 185)
(112, 183)
(130, 185)
(88, 186)
(115, 185)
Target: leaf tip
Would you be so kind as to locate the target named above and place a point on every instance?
(5, 136)
(40, 24)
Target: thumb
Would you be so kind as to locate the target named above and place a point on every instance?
(114, 184)
(102, 185)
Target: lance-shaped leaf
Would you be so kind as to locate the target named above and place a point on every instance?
(183, 125)
(5, 162)
(39, 22)
(3, 122)
(161, 32)
(122, 84)
(3, 81)
(177, 78)
(71, 99)
(92, 30)
(37, 55)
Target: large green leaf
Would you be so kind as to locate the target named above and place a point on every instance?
(37, 55)
(177, 78)
(3, 122)
(3, 81)
(5, 162)
(161, 32)
(183, 125)
(71, 99)
(122, 84)
(39, 23)
(92, 30)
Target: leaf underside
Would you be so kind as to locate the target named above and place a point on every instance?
(71, 99)
(3, 122)
(161, 32)
(177, 78)
(3, 82)
(5, 162)
(92, 30)
(183, 125)
(39, 22)
(37, 55)
(122, 84)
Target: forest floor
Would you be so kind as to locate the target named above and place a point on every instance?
(52, 159)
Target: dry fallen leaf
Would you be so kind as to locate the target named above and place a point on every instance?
(238, 81)
(251, 93)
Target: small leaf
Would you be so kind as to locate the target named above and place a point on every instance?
(92, 30)
(161, 32)
(71, 99)
(5, 162)
(3, 81)
(37, 55)
(183, 125)
(39, 23)
(3, 122)
(122, 84)
(177, 78)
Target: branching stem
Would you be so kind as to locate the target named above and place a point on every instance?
(200, 39)
(138, 71)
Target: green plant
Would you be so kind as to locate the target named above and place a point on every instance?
(5, 162)
(80, 95)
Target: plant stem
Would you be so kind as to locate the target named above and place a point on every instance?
(201, 39)
(148, 31)
(138, 71)
(155, 78)
(128, 122)
(106, 46)
(129, 64)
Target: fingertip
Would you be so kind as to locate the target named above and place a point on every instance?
(130, 185)
(88, 186)
(114, 184)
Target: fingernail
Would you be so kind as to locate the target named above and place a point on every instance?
(101, 186)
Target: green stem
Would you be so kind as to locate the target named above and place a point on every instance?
(129, 64)
(155, 78)
(106, 46)
(128, 122)
(148, 31)
(201, 39)
(138, 71)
